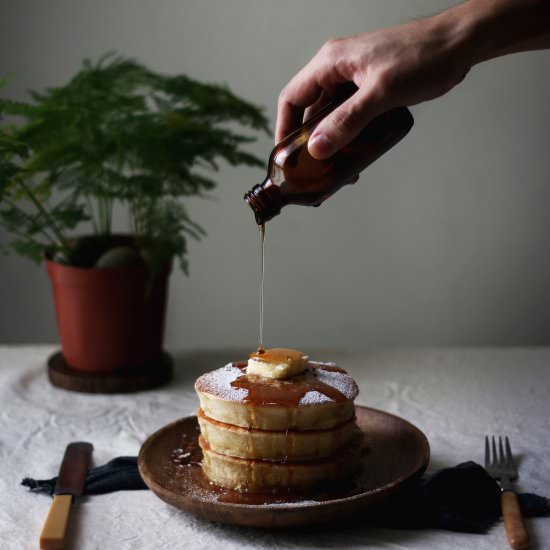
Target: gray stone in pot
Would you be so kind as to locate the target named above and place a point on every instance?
(118, 256)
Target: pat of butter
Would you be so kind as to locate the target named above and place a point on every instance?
(277, 363)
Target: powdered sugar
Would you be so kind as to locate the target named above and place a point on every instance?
(339, 380)
(218, 382)
(314, 397)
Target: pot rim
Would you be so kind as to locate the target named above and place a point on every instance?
(51, 264)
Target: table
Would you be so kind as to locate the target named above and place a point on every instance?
(454, 395)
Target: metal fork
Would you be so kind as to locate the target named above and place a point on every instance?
(501, 466)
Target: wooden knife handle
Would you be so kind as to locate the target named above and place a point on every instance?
(53, 532)
(513, 521)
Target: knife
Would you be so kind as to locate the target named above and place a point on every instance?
(70, 483)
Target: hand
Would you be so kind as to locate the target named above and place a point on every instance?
(405, 65)
(402, 65)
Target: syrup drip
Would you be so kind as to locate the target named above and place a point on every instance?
(261, 227)
(284, 393)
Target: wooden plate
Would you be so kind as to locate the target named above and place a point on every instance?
(126, 380)
(169, 463)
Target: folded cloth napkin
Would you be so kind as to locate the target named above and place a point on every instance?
(464, 498)
(119, 474)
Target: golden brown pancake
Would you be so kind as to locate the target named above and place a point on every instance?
(278, 422)
(321, 397)
(259, 475)
(288, 445)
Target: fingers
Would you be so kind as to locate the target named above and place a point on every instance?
(310, 88)
(338, 92)
(338, 128)
(301, 92)
(322, 100)
(289, 117)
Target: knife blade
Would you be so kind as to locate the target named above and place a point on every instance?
(70, 483)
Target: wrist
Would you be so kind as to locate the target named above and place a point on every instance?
(478, 22)
(479, 30)
(457, 37)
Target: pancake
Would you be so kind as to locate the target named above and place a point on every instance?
(247, 475)
(319, 398)
(288, 445)
(278, 422)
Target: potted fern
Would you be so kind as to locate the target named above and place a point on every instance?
(116, 134)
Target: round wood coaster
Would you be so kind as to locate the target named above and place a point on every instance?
(125, 380)
(398, 452)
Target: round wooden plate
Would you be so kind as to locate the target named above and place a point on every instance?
(169, 463)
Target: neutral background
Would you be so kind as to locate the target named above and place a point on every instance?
(445, 240)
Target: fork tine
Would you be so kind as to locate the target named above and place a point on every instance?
(487, 452)
(494, 449)
(501, 457)
(509, 456)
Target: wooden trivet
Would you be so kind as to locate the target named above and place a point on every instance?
(125, 380)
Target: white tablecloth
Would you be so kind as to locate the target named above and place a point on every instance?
(454, 396)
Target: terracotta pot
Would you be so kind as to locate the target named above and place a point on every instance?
(109, 318)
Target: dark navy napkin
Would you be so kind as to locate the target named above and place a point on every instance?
(120, 474)
(464, 498)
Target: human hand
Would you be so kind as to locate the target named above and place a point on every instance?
(402, 65)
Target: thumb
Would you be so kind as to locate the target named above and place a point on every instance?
(338, 128)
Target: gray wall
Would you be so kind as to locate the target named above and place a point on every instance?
(445, 240)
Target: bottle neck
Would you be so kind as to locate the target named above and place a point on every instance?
(266, 201)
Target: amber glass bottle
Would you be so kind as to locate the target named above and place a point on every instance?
(295, 177)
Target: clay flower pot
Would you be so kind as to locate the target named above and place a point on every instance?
(109, 318)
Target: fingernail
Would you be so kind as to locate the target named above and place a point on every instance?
(319, 146)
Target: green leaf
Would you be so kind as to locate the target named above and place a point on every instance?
(31, 249)
(119, 133)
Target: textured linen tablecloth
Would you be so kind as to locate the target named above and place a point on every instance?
(455, 396)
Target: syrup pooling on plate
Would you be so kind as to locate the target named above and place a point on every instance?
(318, 384)
(186, 477)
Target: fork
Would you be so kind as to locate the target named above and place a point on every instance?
(501, 466)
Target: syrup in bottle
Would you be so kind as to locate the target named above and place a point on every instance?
(295, 177)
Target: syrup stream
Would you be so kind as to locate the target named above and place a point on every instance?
(261, 227)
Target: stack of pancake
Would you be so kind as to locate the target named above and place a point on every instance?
(278, 422)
